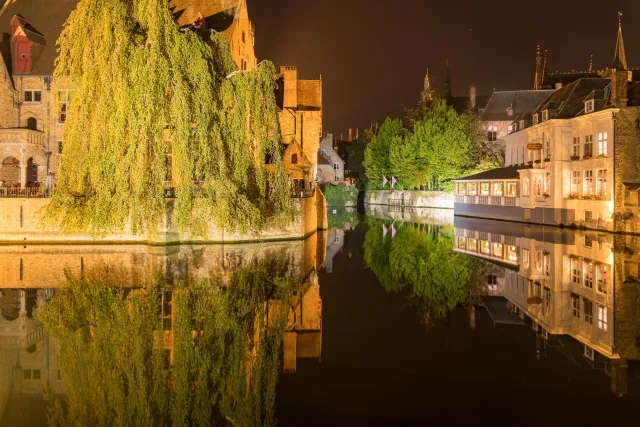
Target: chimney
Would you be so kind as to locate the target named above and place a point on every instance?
(558, 85)
(290, 75)
(619, 82)
(350, 134)
(472, 96)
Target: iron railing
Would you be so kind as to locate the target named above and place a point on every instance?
(24, 193)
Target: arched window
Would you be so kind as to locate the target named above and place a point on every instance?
(294, 159)
(32, 123)
(525, 187)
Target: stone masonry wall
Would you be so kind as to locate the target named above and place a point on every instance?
(626, 169)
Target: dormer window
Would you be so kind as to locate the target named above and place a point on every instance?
(535, 119)
(588, 106)
(545, 115)
(521, 125)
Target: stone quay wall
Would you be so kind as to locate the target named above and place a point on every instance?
(20, 221)
(416, 199)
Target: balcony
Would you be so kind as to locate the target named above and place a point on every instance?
(32, 192)
(22, 136)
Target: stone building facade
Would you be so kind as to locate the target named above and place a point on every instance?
(573, 161)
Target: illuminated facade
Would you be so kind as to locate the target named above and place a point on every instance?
(559, 160)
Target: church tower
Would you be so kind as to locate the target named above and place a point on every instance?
(620, 56)
(447, 81)
(427, 94)
(539, 76)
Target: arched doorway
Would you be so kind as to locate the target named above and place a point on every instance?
(10, 172)
(32, 123)
(32, 172)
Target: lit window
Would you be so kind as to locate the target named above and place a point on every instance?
(588, 274)
(589, 106)
(601, 278)
(485, 247)
(602, 317)
(525, 258)
(462, 243)
(547, 149)
(575, 148)
(462, 188)
(575, 184)
(525, 187)
(512, 253)
(498, 250)
(473, 188)
(484, 188)
(512, 189)
(588, 147)
(587, 189)
(472, 245)
(537, 187)
(537, 260)
(603, 144)
(497, 188)
(601, 183)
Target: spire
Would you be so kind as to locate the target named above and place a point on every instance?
(537, 80)
(543, 77)
(620, 57)
(447, 81)
(591, 63)
(427, 94)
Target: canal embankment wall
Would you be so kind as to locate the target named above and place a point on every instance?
(413, 198)
(20, 221)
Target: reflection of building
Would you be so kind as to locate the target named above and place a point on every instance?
(330, 164)
(335, 241)
(565, 283)
(559, 159)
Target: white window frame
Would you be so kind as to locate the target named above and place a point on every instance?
(603, 144)
(601, 317)
(545, 115)
(589, 106)
(535, 119)
(32, 92)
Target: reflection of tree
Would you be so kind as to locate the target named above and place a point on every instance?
(422, 258)
(216, 361)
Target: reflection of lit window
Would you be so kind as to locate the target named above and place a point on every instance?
(462, 189)
(537, 260)
(485, 247)
(537, 187)
(484, 188)
(575, 270)
(575, 303)
(588, 311)
(525, 258)
(601, 278)
(602, 317)
(497, 250)
(588, 274)
(547, 300)
(512, 253)
(462, 243)
(497, 188)
(472, 245)
(547, 266)
(473, 188)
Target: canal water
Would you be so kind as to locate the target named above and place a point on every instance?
(402, 317)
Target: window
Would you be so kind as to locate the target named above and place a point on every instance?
(601, 278)
(336, 166)
(32, 123)
(535, 119)
(545, 115)
(59, 147)
(336, 239)
(547, 299)
(588, 311)
(243, 37)
(587, 188)
(497, 188)
(512, 189)
(588, 106)
(601, 183)
(575, 270)
(32, 96)
(537, 187)
(484, 188)
(588, 274)
(472, 245)
(492, 134)
(525, 187)
(512, 253)
(575, 148)
(537, 260)
(462, 243)
(521, 125)
(64, 97)
(294, 159)
(547, 265)
(547, 183)
(498, 250)
(601, 313)
(575, 303)
(602, 144)
(588, 241)
(462, 189)
(575, 184)
(485, 247)
(588, 147)
(492, 279)
(547, 149)
(336, 178)
(588, 216)
(588, 353)
(525, 258)
(473, 189)
(31, 374)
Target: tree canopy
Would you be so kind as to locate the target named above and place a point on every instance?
(153, 105)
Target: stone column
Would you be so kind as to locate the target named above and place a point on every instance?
(23, 175)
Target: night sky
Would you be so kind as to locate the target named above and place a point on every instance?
(373, 55)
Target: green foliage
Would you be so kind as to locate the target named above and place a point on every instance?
(115, 367)
(146, 94)
(422, 260)
(340, 195)
(355, 151)
(435, 146)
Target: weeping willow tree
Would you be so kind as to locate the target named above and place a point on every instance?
(114, 354)
(151, 104)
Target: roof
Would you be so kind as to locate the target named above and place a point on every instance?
(522, 102)
(568, 101)
(218, 14)
(461, 103)
(309, 94)
(40, 27)
(507, 172)
(322, 160)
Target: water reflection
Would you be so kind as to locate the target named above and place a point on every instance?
(579, 291)
(139, 335)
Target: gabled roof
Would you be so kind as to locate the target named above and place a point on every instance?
(507, 172)
(568, 101)
(522, 101)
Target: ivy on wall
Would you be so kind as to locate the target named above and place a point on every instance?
(151, 106)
